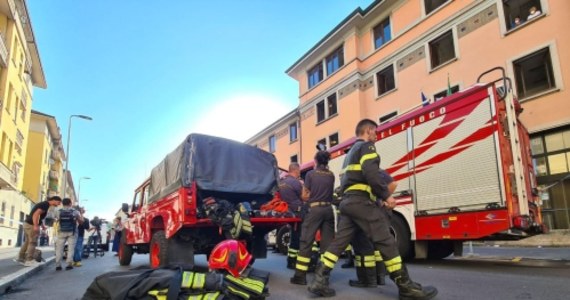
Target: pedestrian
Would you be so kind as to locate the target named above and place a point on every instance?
(360, 211)
(118, 229)
(290, 189)
(32, 225)
(95, 238)
(68, 219)
(318, 191)
(78, 253)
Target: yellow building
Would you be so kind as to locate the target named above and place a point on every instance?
(378, 61)
(44, 159)
(20, 70)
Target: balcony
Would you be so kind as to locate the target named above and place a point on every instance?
(8, 8)
(3, 51)
(7, 178)
(54, 175)
(55, 155)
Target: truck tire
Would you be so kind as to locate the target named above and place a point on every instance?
(158, 250)
(125, 250)
(439, 249)
(401, 233)
(283, 239)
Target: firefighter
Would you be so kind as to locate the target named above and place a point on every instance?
(290, 189)
(359, 209)
(370, 268)
(318, 191)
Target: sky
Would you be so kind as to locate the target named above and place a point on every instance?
(151, 72)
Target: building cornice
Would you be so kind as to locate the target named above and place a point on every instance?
(290, 115)
(37, 72)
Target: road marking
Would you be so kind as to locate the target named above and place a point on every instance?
(516, 259)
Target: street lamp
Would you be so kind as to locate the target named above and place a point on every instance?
(67, 150)
(79, 188)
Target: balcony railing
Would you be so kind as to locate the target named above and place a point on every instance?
(7, 178)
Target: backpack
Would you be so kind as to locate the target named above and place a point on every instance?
(66, 220)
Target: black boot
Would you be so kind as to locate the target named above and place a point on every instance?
(409, 290)
(299, 278)
(291, 261)
(313, 263)
(366, 278)
(320, 284)
(349, 261)
(381, 273)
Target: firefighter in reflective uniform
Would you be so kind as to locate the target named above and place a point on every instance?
(290, 189)
(370, 268)
(359, 210)
(318, 189)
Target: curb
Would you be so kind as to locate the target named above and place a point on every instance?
(8, 283)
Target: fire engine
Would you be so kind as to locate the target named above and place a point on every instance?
(173, 214)
(463, 168)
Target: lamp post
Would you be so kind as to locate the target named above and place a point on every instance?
(67, 150)
(79, 188)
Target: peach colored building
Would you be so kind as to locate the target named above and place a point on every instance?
(378, 61)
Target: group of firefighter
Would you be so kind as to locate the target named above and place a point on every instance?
(362, 220)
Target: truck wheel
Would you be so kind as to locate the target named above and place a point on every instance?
(439, 249)
(401, 232)
(283, 239)
(125, 250)
(158, 250)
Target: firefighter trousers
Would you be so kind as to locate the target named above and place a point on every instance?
(359, 215)
(318, 217)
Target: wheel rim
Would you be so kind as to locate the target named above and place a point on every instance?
(154, 255)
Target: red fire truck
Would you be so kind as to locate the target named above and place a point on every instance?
(168, 217)
(463, 168)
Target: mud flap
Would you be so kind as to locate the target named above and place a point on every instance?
(180, 253)
(259, 245)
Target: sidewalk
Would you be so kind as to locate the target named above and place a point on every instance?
(12, 273)
(554, 238)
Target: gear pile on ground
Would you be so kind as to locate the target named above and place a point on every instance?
(169, 284)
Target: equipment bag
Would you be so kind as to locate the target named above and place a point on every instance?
(66, 220)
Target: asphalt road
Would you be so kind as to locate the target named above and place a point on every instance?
(486, 277)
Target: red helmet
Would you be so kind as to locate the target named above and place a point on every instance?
(229, 255)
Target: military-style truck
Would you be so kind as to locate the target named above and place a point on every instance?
(171, 216)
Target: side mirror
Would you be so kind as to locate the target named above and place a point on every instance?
(125, 207)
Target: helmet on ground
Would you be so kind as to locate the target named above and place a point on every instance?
(229, 255)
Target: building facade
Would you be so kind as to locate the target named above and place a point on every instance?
(382, 61)
(44, 158)
(20, 71)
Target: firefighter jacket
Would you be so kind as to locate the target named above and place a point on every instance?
(360, 168)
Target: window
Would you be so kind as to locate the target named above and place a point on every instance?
(331, 104)
(333, 140)
(326, 111)
(3, 213)
(517, 12)
(536, 146)
(292, 132)
(315, 75)
(442, 49)
(322, 142)
(294, 159)
(382, 33)
(321, 111)
(335, 60)
(534, 74)
(387, 117)
(432, 5)
(272, 144)
(12, 210)
(454, 89)
(385, 80)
